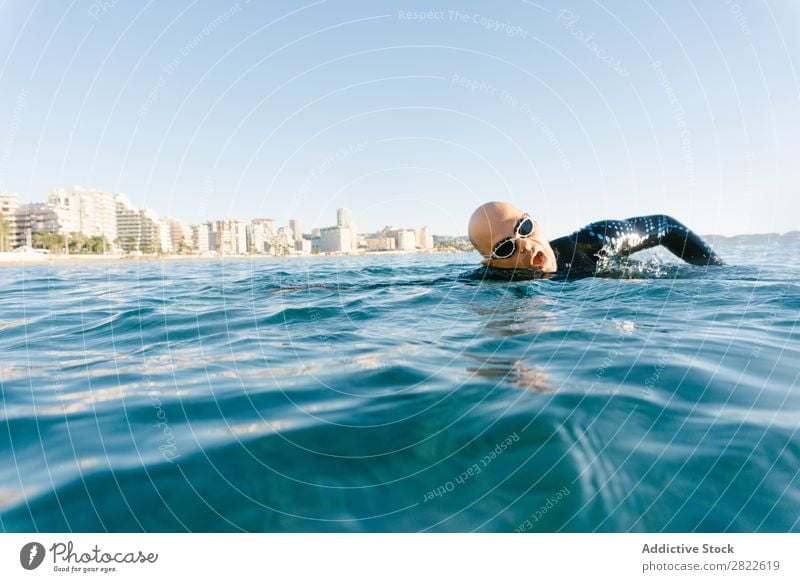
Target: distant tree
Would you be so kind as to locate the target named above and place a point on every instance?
(78, 243)
(40, 239)
(52, 241)
(55, 242)
(96, 244)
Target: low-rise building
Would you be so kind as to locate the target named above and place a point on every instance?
(34, 218)
(380, 243)
(302, 246)
(335, 239)
(405, 238)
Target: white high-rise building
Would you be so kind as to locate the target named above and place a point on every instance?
(343, 217)
(239, 229)
(129, 224)
(165, 237)
(151, 232)
(424, 238)
(294, 225)
(10, 234)
(268, 225)
(406, 240)
(220, 238)
(230, 237)
(200, 238)
(340, 238)
(283, 241)
(260, 234)
(87, 211)
(180, 235)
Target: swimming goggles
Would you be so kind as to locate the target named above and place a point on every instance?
(508, 246)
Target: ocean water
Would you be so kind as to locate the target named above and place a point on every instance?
(382, 393)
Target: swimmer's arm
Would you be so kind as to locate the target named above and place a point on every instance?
(645, 232)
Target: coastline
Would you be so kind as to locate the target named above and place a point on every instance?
(24, 259)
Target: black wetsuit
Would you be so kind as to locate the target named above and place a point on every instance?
(578, 254)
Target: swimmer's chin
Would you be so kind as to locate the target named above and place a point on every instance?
(544, 269)
(539, 262)
(519, 273)
(515, 268)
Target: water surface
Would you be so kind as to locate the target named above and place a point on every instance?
(385, 394)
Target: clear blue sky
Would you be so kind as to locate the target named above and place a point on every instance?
(576, 111)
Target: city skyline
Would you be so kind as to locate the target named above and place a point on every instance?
(163, 216)
(574, 114)
(107, 221)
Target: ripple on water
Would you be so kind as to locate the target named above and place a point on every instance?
(375, 394)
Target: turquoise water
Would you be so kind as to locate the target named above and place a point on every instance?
(384, 394)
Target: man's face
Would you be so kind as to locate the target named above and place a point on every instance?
(495, 222)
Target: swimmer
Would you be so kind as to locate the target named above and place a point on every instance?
(513, 240)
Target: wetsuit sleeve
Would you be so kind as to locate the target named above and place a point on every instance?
(644, 232)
